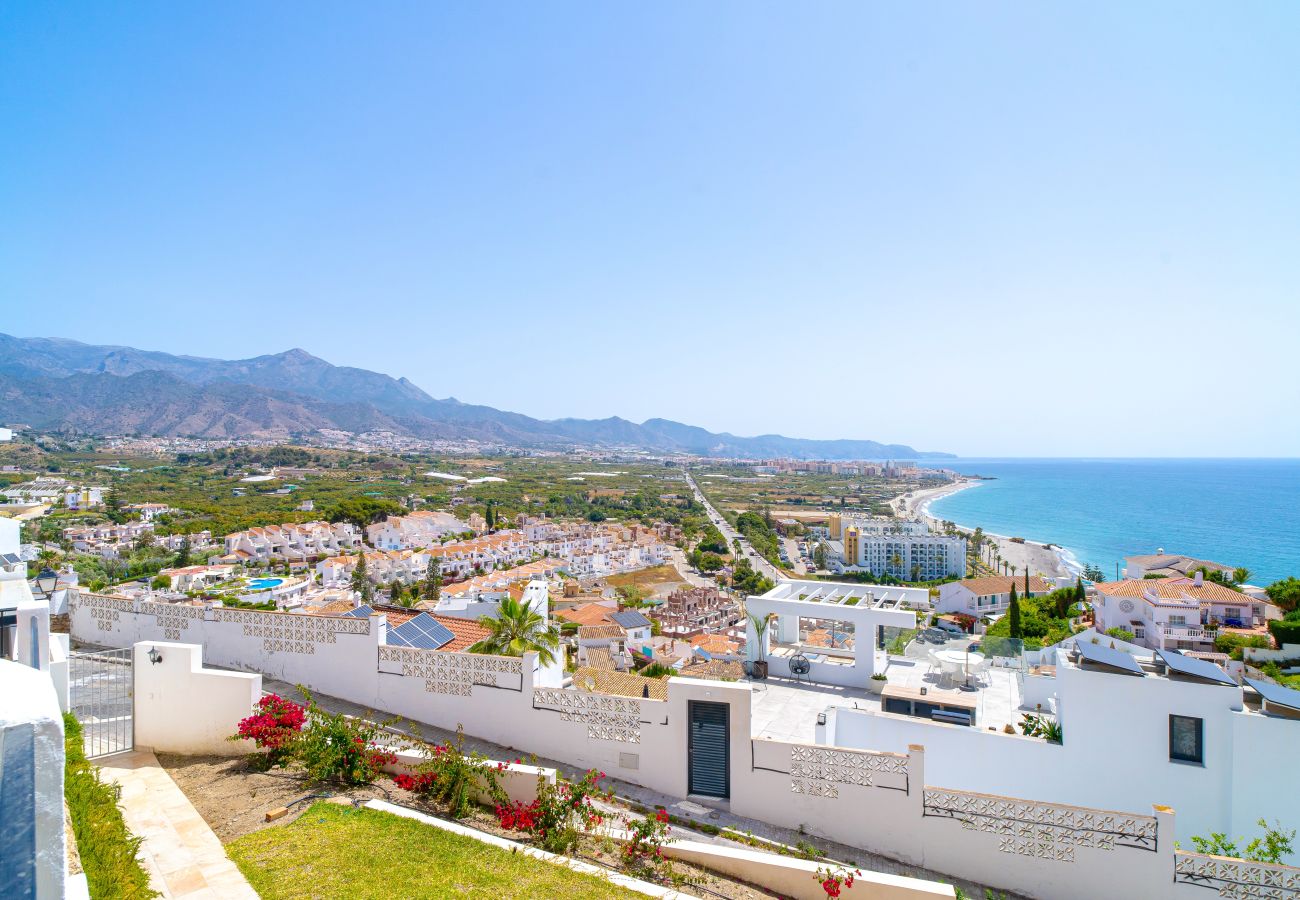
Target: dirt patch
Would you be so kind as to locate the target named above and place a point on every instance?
(647, 579)
(233, 799)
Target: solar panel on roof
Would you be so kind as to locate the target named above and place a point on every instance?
(1276, 694)
(361, 612)
(422, 631)
(1101, 655)
(1195, 668)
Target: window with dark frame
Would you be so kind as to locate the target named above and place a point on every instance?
(1186, 739)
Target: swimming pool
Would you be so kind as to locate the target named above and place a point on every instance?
(264, 584)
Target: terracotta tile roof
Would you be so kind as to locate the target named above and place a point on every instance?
(599, 658)
(587, 614)
(1174, 589)
(467, 633)
(334, 608)
(715, 643)
(397, 615)
(1001, 584)
(622, 684)
(598, 632)
(715, 668)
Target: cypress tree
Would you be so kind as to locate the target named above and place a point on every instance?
(433, 580)
(361, 578)
(1014, 614)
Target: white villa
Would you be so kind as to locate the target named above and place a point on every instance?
(989, 595)
(1179, 613)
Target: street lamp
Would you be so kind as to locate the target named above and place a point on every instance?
(46, 582)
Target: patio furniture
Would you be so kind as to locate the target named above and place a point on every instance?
(909, 701)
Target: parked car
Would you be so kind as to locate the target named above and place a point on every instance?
(935, 635)
(951, 627)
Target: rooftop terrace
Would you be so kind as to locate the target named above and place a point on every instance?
(785, 709)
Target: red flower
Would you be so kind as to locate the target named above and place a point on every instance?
(662, 815)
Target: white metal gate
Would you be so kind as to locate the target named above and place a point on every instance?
(100, 693)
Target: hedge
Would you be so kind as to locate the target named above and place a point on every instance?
(1285, 631)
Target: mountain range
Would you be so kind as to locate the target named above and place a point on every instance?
(58, 384)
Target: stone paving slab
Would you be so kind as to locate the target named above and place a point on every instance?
(183, 857)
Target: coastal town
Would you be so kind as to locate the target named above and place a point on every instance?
(849, 618)
(690, 451)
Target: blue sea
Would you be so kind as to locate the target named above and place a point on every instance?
(1240, 512)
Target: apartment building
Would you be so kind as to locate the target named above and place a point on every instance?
(418, 529)
(382, 566)
(910, 557)
(837, 522)
(93, 538)
(291, 541)
(1179, 613)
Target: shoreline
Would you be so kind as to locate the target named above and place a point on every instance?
(1057, 562)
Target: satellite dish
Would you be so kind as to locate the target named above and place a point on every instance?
(799, 665)
(588, 683)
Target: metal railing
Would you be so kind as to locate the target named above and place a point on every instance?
(100, 693)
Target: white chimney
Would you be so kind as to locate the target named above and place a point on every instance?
(1199, 579)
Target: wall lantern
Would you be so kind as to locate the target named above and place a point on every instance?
(154, 656)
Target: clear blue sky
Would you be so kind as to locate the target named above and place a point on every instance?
(995, 229)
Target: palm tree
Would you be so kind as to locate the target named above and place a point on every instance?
(1241, 575)
(519, 629)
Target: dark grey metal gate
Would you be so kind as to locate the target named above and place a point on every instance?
(100, 692)
(708, 743)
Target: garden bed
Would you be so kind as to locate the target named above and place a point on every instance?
(234, 799)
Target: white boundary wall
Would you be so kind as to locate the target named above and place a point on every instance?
(873, 800)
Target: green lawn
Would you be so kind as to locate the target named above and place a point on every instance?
(338, 851)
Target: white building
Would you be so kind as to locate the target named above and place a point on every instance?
(989, 595)
(148, 511)
(1169, 565)
(857, 613)
(290, 541)
(909, 557)
(82, 498)
(837, 522)
(196, 578)
(1179, 613)
(418, 529)
(1188, 737)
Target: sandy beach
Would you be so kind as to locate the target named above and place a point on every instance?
(1032, 555)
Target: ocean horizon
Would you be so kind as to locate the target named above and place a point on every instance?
(1240, 512)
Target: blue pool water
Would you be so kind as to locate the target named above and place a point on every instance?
(1241, 512)
(264, 584)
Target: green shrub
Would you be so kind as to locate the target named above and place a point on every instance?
(336, 747)
(1285, 631)
(1232, 644)
(107, 848)
(1122, 634)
